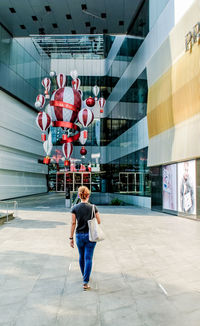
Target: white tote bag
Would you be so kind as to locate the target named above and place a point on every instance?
(95, 232)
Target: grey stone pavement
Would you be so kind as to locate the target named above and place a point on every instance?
(146, 272)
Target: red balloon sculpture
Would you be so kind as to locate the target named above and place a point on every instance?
(67, 150)
(83, 151)
(64, 111)
(61, 80)
(85, 117)
(102, 102)
(90, 102)
(43, 121)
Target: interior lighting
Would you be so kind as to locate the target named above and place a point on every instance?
(68, 16)
(48, 8)
(12, 10)
(92, 29)
(84, 7)
(41, 31)
(91, 14)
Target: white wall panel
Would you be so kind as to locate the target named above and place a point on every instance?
(86, 67)
(83, 66)
(133, 200)
(113, 51)
(20, 149)
(155, 9)
(180, 8)
(92, 67)
(15, 184)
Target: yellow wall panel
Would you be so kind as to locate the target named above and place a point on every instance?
(175, 97)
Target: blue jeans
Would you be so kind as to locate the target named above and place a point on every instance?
(86, 250)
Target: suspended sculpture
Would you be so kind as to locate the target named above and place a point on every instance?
(65, 109)
(102, 102)
(61, 80)
(85, 117)
(47, 145)
(46, 83)
(83, 137)
(40, 101)
(43, 121)
(67, 151)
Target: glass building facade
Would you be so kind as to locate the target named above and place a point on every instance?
(127, 175)
(22, 68)
(141, 140)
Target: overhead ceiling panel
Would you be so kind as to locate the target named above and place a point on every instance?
(115, 10)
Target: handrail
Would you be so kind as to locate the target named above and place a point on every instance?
(8, 201)
(15, 207)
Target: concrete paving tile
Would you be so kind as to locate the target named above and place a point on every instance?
(107, 274)
(112, 285)
(156, 310)
(74, 287)
(123, 316)
(191, 275)
(145, 287)
(191, 319)
(136, 274)
(49, 285)
(77, 317)
(52, 273)
(73, 276)
(8, 314)
(186, 302)
(175, 286)
(16, 282)
(194, 286)
(43, 299)
(82, 299)
(13, 296)
(111, 301)
(38, 315)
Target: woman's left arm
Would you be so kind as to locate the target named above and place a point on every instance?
(73, 226)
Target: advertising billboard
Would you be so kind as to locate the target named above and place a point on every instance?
(169, 187)
(187, 187)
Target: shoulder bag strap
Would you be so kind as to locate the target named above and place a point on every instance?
(93, 212)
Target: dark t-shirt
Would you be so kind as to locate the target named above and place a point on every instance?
(83, 212)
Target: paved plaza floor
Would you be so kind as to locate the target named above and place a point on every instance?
(146, 272)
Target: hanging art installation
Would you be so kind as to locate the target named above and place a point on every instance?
(65, 109)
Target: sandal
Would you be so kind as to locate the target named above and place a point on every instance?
(86, 287)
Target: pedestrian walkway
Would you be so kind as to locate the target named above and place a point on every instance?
(146, 272)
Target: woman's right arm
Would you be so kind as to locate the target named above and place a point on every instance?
(98, 218)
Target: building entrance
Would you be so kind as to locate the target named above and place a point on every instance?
(73, 180)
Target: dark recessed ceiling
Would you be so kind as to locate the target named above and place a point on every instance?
(69, 15)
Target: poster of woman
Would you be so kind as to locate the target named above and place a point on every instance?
(169, 187)
(187, 187)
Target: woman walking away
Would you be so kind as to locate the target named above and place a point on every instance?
(81, 213)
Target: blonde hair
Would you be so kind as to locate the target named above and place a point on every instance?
(83, 192)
